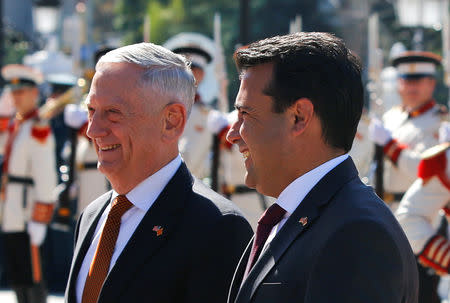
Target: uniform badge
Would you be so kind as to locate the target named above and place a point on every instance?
(303, 220)
(158, 229)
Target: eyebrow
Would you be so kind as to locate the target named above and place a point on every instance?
(239, 107)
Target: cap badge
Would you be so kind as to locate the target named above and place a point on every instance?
(158, 229)
(15, 81)
(412, 68)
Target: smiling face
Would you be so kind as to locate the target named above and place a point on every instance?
(261, 134)
(124, 125)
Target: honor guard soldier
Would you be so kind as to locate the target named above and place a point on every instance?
(232, 184)
(362, 148)
(29, 177)
(418, 214)
(408, 129)
(89, 183)
(195, 144)
(59, 85)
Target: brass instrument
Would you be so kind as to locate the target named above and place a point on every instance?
(54, 106)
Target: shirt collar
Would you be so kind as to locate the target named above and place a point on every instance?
(291, 197)
(145, 193)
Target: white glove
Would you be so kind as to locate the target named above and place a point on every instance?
(74, 116)
(378, 133)
(216, 121)
(37, 232)
(444, 132)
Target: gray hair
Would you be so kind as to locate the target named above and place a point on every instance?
(164, 71)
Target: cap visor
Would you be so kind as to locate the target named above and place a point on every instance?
(415, 76)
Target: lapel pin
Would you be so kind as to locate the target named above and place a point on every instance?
(158, 229)
(303, 220)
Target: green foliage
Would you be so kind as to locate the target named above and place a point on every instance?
(16, 46)
(164, 19)
(129, 19)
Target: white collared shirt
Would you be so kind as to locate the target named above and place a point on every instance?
(142, 196)
(291, 197)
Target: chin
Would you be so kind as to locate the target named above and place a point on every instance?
(249, 181)
(106, 168)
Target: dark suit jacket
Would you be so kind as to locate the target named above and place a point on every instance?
(192, 261)
(349, 248)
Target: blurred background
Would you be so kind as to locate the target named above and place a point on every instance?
(63, 36)
(70, 31)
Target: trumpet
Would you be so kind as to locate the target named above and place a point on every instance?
(54, 106)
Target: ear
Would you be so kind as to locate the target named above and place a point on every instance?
(175, 116)
(302, 112)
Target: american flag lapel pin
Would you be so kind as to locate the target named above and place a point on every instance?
(303, 220)
(158, 229)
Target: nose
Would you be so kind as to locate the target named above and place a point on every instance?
(96, 127)
(233, 133)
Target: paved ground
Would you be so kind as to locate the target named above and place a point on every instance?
(8, 296)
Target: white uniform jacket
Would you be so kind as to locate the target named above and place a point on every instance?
(31, 173)
(91, 183)
(416, 132)
(195, 144)
(421, 204)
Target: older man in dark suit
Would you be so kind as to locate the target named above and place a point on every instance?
(328, 237)
(158, 236)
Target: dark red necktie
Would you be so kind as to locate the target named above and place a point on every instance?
(105, 248)
(268, 220)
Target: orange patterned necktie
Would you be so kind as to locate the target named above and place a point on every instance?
(105, 248)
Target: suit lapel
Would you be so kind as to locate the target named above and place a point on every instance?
(91, 216)
(239, 272)
(300, 220)
(145, 241)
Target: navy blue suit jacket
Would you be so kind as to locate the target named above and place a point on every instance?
(341, 244)
(193, 260)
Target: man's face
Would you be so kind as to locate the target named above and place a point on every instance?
(199, 74)
(415, 92)
(25, 99)
(260, 133)
(123, 124)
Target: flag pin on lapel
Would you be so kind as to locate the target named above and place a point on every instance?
(303, 220)
(158, 229)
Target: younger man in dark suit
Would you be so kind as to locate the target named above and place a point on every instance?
(159, 235)
(328, 237)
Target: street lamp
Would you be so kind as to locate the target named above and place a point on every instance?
(424, 13)
(46, 15)
(420, 14)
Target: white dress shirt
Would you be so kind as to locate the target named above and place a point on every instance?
(291, 197)
(142, 196)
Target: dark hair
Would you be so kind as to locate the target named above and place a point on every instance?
(316, 66)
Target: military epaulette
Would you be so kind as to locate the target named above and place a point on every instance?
(41, 130)
(434, 161)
